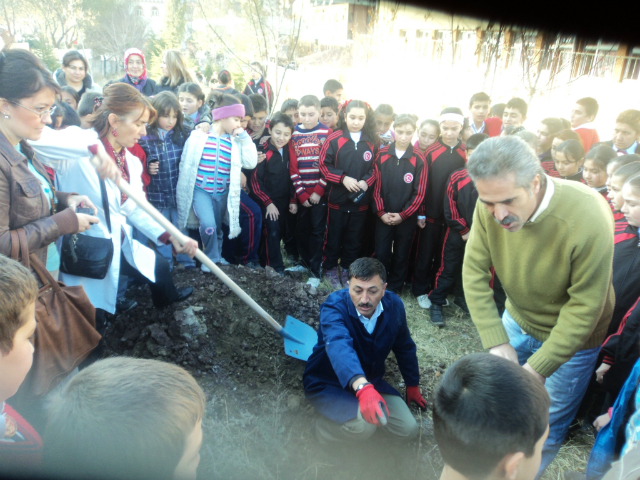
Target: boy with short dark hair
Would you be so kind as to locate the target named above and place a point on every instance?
(329, 107)
(582, 116)
(333, 88)
(258, 127)
(304, 149)
(290, 107)
(480, 122)
(124, 418)
(273, 190)
(490, 419)
(515, 112)
(20, 444)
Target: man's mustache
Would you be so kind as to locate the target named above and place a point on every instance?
(507, 220)
(365, 305)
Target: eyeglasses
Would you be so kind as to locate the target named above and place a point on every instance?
(41, 113)
(76, 69)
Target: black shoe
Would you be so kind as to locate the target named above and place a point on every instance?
(435, 312)
(123, 305)
(462, 303)
(254, 264)
(184, 293)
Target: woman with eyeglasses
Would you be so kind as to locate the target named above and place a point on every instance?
(135, 73)
(28, 198)
(75, 73)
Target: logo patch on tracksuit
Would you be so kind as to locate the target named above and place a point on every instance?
(408, 178)
(367, 156)
(260, 91)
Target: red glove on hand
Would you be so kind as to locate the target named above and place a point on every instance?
(413, 395)
(371, 403)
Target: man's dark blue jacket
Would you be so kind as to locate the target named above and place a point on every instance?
(345, 349)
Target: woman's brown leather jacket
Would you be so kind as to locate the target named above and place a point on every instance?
(24, 204)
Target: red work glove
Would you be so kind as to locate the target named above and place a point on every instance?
(413, 395)
(371, 405)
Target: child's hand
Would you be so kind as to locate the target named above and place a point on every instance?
(272, 212)
(315, 198)
(395, 218)
(237, 132)
(385, 219)
(465, 237)
(602, 421)
(243, 180)
(363, 185)
(261, 157)
(293, 208)
(306, 204)
(350, 184)
(204, 127)
(601, 371)
(153, 167)
(422, 222)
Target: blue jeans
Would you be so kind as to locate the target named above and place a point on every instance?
(166, 251)
(565, 387)
(210, 210)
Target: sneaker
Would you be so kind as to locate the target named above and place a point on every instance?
(297, 268)
(435, 313)
(223, 262)
(123, 305)
(205, 269)
(314, 282)
(461, 302)
(423, 301)
(344, 278)
(334, 278)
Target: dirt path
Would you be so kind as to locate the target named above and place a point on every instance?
(258, 424)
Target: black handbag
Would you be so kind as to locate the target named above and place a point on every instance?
(85, 256)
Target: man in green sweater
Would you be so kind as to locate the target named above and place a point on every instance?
(551, 243)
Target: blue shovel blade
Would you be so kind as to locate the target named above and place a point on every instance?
(299, 338)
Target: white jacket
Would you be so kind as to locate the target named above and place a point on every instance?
(243, 155)
(67, 152)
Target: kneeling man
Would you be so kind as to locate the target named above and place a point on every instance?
(359, 327)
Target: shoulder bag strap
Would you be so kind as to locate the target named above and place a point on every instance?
(105, 203)
(15, 246)
(24, 248)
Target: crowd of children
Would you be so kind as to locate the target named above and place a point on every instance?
(335, 180)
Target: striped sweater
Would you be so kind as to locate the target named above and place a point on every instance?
(304, 154)
(215, 165)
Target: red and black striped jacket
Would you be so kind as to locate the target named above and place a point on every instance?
(460, 201)
(626, 273)
(340, 157)
(261, 87)
(548, 165)
(620, 220)
(271, 180)
(441, 161)
(401, 182)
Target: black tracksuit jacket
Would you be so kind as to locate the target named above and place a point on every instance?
(441, 161)
(460, 201)
(401, 182)
(271, 180)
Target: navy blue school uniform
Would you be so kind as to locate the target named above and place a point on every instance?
(345, 349)
(271, 184)
(341, 157)
(442, 160)
(400, 188)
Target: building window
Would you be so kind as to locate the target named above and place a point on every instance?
(139, 11)
(419, 33)
(403, 34)
(154, 12)
(349, 34)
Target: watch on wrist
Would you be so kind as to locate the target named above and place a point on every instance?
(362, 385)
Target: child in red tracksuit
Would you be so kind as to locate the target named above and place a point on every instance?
(614, 185)
(397, 196)
(445, 156)
(459, 204)
(346, 163)
(272, 189)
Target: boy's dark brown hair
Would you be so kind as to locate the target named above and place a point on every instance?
(487, 407)
(18, 290)
(122, 418)
(309, 101)
(631, 118)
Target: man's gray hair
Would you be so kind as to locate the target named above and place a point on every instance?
(499, 156)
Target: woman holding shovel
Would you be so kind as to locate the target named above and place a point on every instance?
(119, 120)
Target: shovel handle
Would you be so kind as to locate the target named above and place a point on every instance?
(200, 255)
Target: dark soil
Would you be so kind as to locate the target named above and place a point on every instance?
(258, 423)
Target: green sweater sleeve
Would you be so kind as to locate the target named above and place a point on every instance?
(476, 276)
(590, 288)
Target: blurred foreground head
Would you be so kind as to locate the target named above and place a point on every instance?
(490, 419)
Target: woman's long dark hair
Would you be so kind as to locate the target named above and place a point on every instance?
(369, 128)
(164, 102)
(22, 75)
